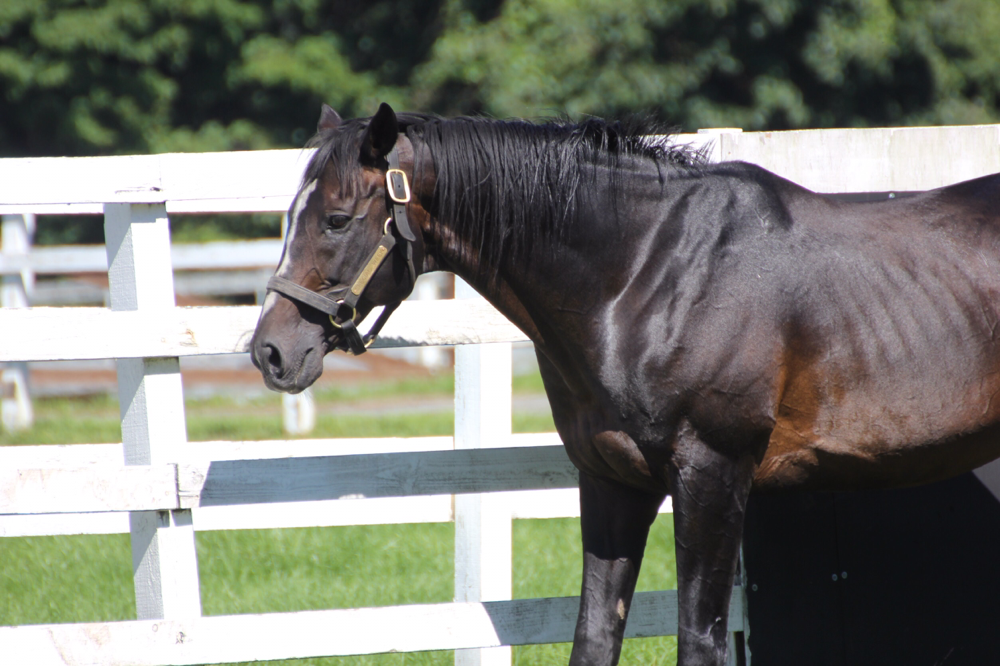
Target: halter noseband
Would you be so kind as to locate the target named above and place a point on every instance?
(343, 301)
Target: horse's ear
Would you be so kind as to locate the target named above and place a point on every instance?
(328, 119)
(381, 133)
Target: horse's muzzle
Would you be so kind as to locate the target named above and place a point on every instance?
(283, 372)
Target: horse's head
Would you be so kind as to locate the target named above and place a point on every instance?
(349, 247)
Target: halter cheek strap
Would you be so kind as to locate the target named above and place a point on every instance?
(398, 190)
(341, 303)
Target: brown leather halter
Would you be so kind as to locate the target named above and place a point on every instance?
(340, 303)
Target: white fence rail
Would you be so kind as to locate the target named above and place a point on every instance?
(223, 255)
(172, 488)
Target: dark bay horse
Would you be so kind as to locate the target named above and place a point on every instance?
(701, 329)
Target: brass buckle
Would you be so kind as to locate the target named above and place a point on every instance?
(354, 313)
(391, 175)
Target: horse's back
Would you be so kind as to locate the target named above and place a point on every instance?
(890, 359)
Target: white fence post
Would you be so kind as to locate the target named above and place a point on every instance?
(431, 287)
(298, 412)
(483, 557)
(164, 562)
(15, 401)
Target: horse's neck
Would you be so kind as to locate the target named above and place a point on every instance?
(549, 285)
(536, 291)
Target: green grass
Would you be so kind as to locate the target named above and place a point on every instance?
(88, 578)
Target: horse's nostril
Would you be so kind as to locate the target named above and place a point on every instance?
(273, 358)
(267, 359)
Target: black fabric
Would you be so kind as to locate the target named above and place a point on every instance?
(298, 293)
(355, 342)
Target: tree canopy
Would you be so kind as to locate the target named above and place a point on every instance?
(84, 77)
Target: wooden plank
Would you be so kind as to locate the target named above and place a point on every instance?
(483, 557)
(483, 531)
(237, 482)
(151, 402)
(39, 334)
(233, 175)
(541, 504)
(237, 638)
(219, 283)
(447, 322)
(52, 209)
(221, 255)
(138, 257)
(223, 483)
(248, 204)
(331, 513)
(525, 504)
(105, 488)
(96, 180)
(62, 524)
(151, 178)
(60, 259)
(78, 455)
(271, 204)
(262, 253)
(871, 159)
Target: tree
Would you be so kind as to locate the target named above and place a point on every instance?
(107, 76)
(755, 64)
(121, 76)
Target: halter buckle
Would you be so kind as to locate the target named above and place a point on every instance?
(399, 186)
(354, 313)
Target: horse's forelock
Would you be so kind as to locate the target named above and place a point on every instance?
(339, 147)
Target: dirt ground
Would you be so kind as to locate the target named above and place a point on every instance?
(208, 375)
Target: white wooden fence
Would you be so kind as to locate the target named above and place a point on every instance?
(169, 488)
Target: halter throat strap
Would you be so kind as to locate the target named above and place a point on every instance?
(340, 304)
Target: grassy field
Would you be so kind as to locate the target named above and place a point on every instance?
(86, 579)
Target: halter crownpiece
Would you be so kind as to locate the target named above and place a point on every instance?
(344, 300)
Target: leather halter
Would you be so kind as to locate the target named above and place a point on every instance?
(341, 303)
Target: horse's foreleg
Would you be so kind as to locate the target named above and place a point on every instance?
(615, 521)
(709, 492)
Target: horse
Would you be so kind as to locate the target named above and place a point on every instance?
(702, 329)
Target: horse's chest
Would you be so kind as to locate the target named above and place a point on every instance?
(610, 438)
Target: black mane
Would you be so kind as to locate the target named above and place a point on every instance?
(504, 185)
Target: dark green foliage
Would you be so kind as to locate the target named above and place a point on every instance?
(123, 76)
(755, 64)
(120, 76)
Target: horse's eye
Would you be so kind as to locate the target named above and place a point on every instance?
(336, 221)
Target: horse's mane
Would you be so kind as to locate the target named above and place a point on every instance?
(504, 185)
